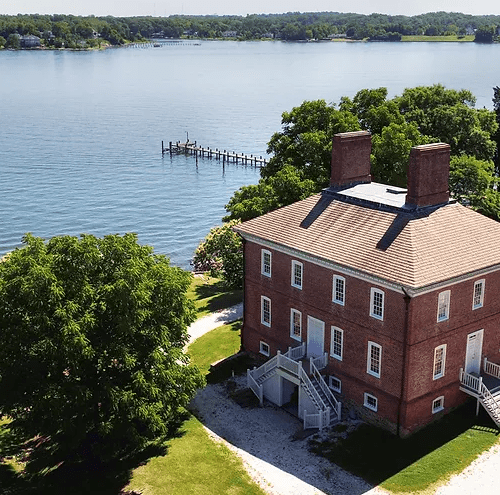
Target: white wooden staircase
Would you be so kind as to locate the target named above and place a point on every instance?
(326, 409)
(485, 388)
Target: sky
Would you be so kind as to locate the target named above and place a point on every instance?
(128, 8)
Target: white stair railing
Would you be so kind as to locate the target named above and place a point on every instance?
(312, 392)
(491, 368)
(470, 381)
(490, 404)
(333, 402)
(296, 353)
(257, 389)
(289, 365)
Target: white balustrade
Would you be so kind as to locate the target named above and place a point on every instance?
(471, 381)
(491, 368)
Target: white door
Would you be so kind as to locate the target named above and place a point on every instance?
(473, 353)
(315, 337)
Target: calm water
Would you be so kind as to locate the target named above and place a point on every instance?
(80, 141)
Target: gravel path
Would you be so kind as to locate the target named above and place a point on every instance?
(214, 320)
(263, 438)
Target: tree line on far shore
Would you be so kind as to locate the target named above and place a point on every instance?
(69, 31)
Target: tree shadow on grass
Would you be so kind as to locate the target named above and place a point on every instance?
(237, 364)
(375, 454)
(47, 474)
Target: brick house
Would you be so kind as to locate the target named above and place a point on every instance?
(377, 297)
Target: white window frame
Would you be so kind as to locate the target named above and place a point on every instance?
(294, 312)
(335, 384)
(264, 348)
(368, 405)
(438, 404)
(294, 283)
(370, 361)
(265, 268)
(443, 310)
(263, 319)
(375, 311)
(341, 301)
(336, 331)
(478, 298)
(439, 362)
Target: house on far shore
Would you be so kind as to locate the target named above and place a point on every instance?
(29, 41)
(374, 298)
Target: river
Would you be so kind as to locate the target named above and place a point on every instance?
(80, 145)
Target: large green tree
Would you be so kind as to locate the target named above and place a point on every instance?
(419, 115)
(285, 187)
(91, 343)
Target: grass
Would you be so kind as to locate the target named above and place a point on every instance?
(195, 464)
(426, 459)
(209, 295)
(452, 38)
(216, 345)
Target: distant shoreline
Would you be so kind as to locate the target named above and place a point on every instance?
(404, 39)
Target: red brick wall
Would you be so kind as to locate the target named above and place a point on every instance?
(424, 333)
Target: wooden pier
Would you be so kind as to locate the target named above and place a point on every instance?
(189, 148)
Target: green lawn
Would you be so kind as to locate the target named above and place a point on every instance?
(195, 464)
(469, 37)
(209, 295)
(426, 459)
(218, 344)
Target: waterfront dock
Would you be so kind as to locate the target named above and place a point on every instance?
(189, 148)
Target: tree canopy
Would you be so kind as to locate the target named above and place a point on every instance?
(301, 151)
(221, 254)
(92, 334)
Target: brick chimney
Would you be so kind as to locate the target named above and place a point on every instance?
(428, 173)
(351, 158)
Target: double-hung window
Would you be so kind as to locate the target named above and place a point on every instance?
(335, 384)
(265, 264)
(338, 290)
(265, 313)
(438, 404)
(264, 348)
(295, 324)
(297, 274)
(337, 343)
(374, 359)
(371, 402)
(443, 305)
(377, 303)
(439, 361)
(478, 297)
